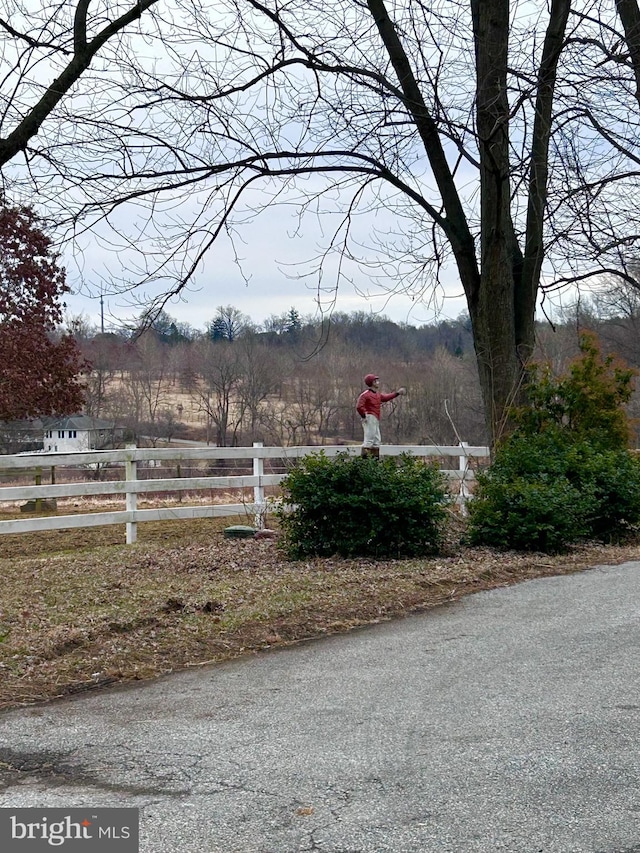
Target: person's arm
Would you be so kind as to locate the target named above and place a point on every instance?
(384, 398)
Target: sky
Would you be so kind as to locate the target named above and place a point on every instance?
(268, 293)
(267, 286)
(270, 280)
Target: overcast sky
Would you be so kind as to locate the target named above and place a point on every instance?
(269, 280)
(270, 293)
(271, 289)
(276, 252)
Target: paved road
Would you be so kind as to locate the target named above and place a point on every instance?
(509, 721)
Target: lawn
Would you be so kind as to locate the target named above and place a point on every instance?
(79, 610)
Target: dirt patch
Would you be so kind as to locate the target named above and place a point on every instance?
(79, 611)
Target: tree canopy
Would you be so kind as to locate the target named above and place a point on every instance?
(40, 373)
(495, 138)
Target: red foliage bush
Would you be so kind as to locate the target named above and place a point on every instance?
(40, 370)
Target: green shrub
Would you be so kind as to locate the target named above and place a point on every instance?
(527, 514)
(354, 506)
(526, 500)
(565, 473)
(611, 480)
(588, 401)
(576, 492)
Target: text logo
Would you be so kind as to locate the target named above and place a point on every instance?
(86, 830)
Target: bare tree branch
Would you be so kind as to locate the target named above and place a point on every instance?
(84, 52)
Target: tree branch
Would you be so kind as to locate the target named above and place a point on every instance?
(26, 38)
(539, 173)
(84, 52)
(455, 224)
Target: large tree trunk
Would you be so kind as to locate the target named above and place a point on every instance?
(502, 306)
(500, 341)
(630, 16)
(500, 369)
(492, 305)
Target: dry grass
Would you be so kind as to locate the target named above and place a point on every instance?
(80, 610)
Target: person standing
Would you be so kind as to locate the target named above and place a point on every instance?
(368, 407)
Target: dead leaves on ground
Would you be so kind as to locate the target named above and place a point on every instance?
(70, 622)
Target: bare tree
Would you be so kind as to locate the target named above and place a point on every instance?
(63, 38)
(145, 386)
(220, 371)
(495, 136)
(443, 401)
(228, 323)
(613, 312)
(260, 375)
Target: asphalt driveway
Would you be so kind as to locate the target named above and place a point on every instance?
(508, 721)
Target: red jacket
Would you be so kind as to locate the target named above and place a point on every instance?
(369, 402)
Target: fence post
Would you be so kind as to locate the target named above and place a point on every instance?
(258, 491)
(38, 481)
(131, 471)
(463, 467)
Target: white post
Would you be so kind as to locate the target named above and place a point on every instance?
(258, 490)
(463, 467)
(132, 497)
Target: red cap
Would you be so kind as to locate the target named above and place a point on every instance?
(370, 378)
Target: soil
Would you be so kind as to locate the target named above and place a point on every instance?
(80, 610)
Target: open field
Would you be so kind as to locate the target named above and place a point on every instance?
(79, 610)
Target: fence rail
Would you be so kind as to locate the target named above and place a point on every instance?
(131, 486)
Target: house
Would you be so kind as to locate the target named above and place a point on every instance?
(77, 433)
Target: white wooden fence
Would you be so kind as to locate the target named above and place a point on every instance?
(130, 487)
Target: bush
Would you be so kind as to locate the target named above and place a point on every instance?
(588, 402)
(354, 506)
(611, 479)
(526, 500)
(548, 490)
(565, 473)
(527, 515)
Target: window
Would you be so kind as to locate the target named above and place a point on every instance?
(73, 433)
(60, 433)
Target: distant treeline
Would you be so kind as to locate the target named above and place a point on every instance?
(294, 380)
